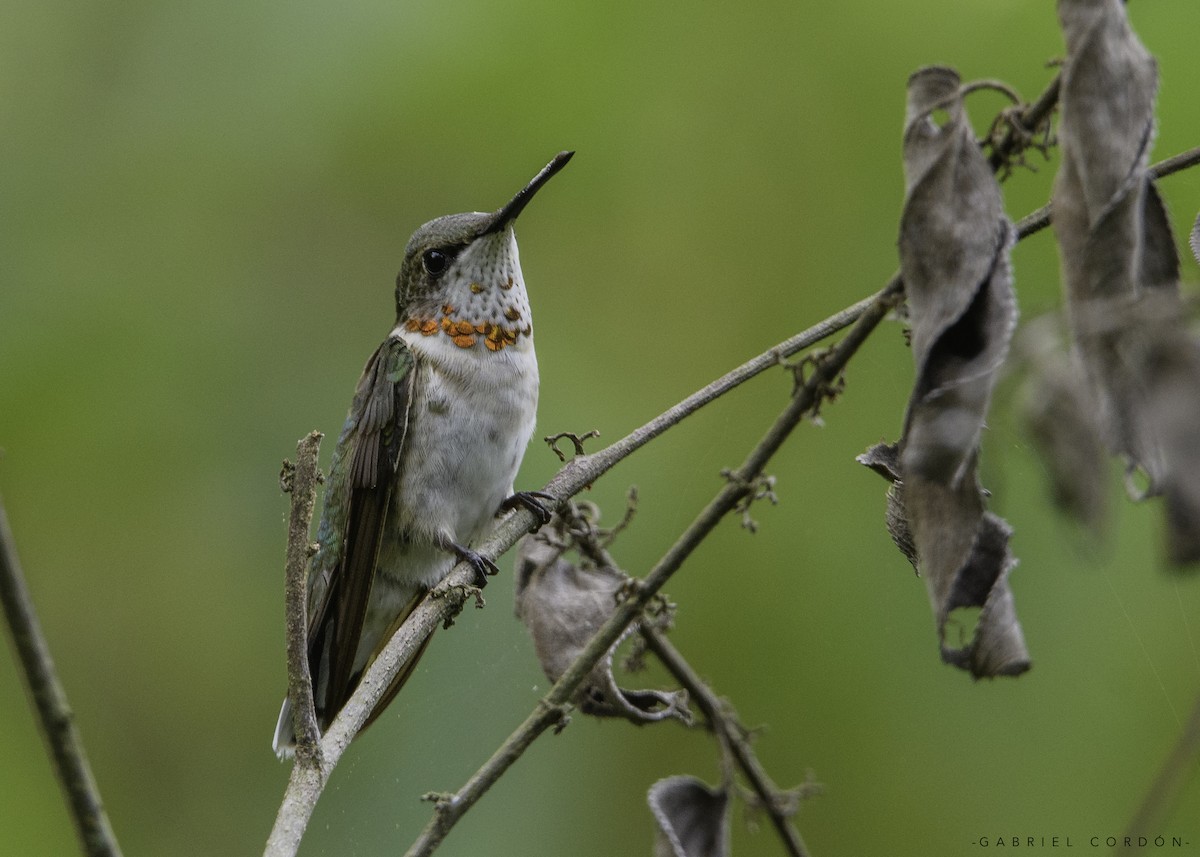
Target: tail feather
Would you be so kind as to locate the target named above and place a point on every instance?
(397, 683)
(284, 742)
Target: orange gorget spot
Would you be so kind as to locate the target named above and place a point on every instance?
(464, 334)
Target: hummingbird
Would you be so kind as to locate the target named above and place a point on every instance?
(427, 456)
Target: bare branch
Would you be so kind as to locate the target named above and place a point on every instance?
(303, 488)
(779, 804)
(1038, 220)
(55, 717)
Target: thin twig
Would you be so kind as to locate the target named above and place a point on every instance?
(775, 801)
(721, 718)
(604, 459)
(452, 807)
(1038, 220)
(1175, 163)
(55, 717)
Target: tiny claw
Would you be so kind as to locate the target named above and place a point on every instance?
(531, 500)
(482, 565)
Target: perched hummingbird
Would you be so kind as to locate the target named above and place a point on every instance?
(427, 456)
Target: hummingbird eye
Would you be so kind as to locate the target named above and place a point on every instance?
(435, 261)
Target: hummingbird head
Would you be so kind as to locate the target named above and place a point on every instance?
(461, 274)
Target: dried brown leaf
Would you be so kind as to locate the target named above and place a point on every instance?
(954, 248)
(954, 256)
(1120, 265)
(1112, 230)
(563, 606)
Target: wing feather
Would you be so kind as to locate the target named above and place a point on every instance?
(362, 480)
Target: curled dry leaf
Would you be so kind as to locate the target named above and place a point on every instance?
(954, 248)
(563, 606)
(939, 529)
(693, 818)
(1120, 266)
(1108, 219)
(954, 255)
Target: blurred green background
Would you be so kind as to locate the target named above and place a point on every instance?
(204, 207)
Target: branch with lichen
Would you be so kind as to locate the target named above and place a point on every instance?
(309, 773)
(301, 481)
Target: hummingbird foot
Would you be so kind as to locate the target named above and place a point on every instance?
(533, 501)
(483, 566)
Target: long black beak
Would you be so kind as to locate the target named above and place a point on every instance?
(516, 205)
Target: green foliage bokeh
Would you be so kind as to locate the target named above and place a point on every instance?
(203, 212)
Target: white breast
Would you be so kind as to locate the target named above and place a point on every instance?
(471, 419)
